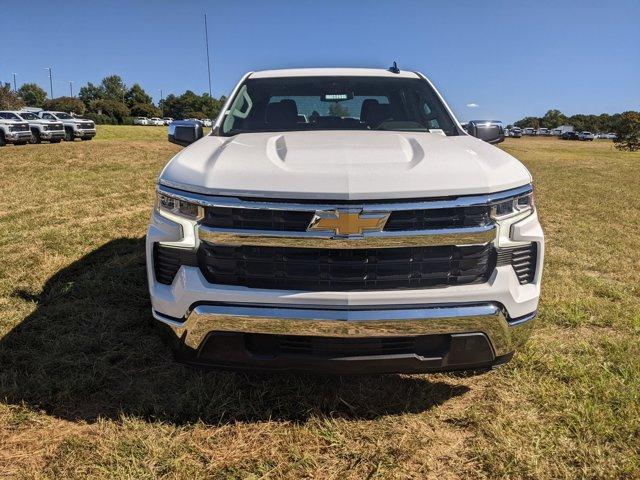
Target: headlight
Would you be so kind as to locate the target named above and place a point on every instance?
(513, 206)
(179, 207)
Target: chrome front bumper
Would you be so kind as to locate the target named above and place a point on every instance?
(459, 322)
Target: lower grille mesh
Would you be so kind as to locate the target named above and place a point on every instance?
(334, 269)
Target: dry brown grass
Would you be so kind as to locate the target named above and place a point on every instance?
(89, 389)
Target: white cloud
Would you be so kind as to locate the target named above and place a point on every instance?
(472, 105)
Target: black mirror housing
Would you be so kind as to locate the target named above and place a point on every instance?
(490, 131)
(185, 132)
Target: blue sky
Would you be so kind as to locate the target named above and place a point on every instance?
(510, 58)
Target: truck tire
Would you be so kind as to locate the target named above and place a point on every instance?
(55, 140)
(2, 142)
(84, 139)
(68, 135)
(35, 136)
(20, 143)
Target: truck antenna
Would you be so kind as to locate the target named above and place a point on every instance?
(394, 68)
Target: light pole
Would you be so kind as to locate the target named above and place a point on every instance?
(206, 39)
(50, 81)
(71, 88)
(161, 105)
(15, 88)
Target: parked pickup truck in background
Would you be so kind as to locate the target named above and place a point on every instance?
(13, 129)
(42, 129)
(341, 220)
(73, 127)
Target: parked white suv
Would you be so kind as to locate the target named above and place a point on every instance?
(13, 129)
(341, 220)
(141, 121)
(156, 121)
(42, 129)
(74, 127)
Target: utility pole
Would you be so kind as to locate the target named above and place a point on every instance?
(71, 88)
(206, 38)
(50, 81)
(161, 104)
(15, 88)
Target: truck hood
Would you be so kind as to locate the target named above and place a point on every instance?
(343, 165)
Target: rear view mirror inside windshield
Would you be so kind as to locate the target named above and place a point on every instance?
(336, 97)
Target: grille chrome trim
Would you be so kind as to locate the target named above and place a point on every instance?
(379, 239)
(199, 196)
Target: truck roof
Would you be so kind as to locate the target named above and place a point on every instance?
(331, 72)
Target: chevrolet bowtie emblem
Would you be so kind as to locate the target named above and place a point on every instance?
(347, 222)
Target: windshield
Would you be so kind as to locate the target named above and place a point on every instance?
(28, 116)
(64, 116)
(10, 116)
(336, 103)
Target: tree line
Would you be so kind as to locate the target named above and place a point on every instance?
(113, 102)
(580, 122)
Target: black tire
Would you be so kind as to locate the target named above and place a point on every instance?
(2, 142)
(55, 140)
(84, 139)
(35, 136)
(20, 143)
(68, 135)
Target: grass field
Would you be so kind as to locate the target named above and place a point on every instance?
(88, 388)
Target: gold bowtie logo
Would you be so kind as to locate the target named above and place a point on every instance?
(348, 222)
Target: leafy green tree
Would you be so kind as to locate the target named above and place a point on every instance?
(32, 95)
(9, 100)
(145, 110)
(113, 88)
(553, 119)
(627, 129)
(136, 95)
(191, 105)
(526, 122)
(111, 108)
(338, 110)
(91, 92)
(65, 104)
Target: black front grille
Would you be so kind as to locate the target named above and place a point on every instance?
(298, 221)
(257, 219)
(438, 218)
(86, 126)
(344, 270)
(23, 127)
(522, 259)
(345, 347)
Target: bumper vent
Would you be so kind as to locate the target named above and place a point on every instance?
(522, 259)
(167, 262)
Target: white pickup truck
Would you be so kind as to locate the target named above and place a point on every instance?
(341, 220)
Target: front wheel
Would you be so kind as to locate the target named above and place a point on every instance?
(2, 140)
(68, 135)
(20, 143)
(35, 137)
(55, 140)
(84, 139)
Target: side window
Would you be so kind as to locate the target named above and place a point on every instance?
(240, 108)
(48, 116)
(2, 115)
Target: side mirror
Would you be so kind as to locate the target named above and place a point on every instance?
(184, 132)
(490, 131)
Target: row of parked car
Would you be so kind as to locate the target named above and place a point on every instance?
(166, 121)
(21, 127)
(563, 134)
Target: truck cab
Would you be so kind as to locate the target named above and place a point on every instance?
(341, 220)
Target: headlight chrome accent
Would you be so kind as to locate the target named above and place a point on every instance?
(179, 207)
(514, 206)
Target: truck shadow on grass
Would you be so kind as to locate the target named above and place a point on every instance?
(90, 350)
